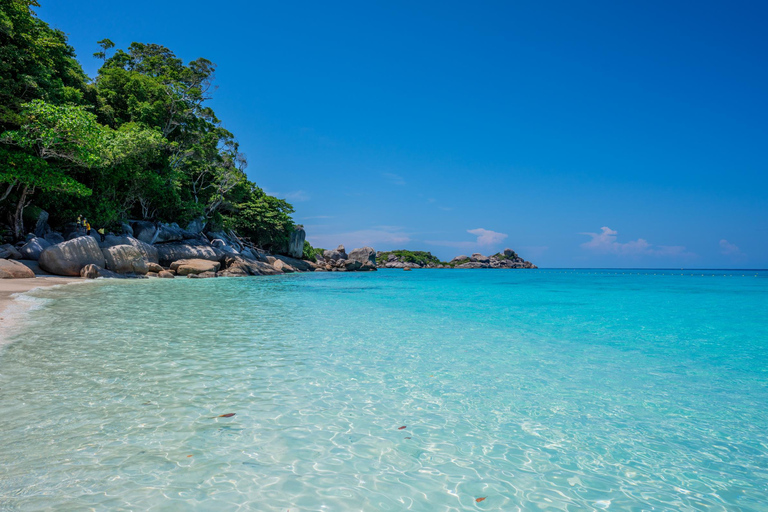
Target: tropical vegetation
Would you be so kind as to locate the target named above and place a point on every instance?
(138, 141)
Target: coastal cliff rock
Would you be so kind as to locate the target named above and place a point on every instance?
(32, 249)
(10, 269)
(339, 254)
(194, 266)
(125, 259)
(68, 258)
(296, 242)
(190, 249)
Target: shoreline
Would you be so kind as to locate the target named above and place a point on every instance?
(12, 309)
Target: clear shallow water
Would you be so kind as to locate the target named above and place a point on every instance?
(535, 389)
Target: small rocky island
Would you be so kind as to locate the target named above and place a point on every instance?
(420, 259)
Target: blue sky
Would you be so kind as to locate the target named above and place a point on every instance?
(616, 134)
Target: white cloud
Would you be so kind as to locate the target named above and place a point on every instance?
(605, 243)
(485, 237)
(394, 179)
(730, 249)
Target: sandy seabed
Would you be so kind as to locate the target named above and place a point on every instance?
(12, 309)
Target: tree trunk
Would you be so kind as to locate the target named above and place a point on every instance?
(18, 218)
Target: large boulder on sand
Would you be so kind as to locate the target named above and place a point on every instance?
(10, 269)
(68, 258)
(148, 251)
(125, 259)
(194, 266)
(296, 242)
(190, 249)
(32, 249)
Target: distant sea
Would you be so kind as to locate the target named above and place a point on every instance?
(427, 390)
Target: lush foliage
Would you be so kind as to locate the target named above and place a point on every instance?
(419, 257)
(137, 142)
(311, 253)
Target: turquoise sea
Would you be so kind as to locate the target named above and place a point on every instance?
(425, 390)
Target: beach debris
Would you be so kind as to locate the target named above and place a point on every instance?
(407, 437)
(228, 415)
(188, 456)
(478, 500)
(401, 428)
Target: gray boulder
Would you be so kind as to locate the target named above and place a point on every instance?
(68, 258)
(32, 249)
(10, 269)
(363, 255)
(144, 230)
(189, 249)
(194, 266)
(479, 258)
(125, 259)
(168, 233)
(7, 251)
(296, 242)
(339, 254)
(164, 274)
(197, 225)
(148, 251)
(53, 238)
(460, 258)
(252, 267)
(300, 265)
(509, 253)
(127, 229)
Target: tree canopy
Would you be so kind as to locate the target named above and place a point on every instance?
(139, 141)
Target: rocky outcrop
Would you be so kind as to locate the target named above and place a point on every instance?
(154, 267)
(125, 259)
(203, 275)
(365, 255)
(190, 249)
(238, 264)
(296, 242)
(194, 266)
(32, 249)
(92, 271)
(299, 265)
(11, 269)
(148, 251)
(164, 274)
(362, 259)
(68, 258)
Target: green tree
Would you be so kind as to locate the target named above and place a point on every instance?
(264, 219)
